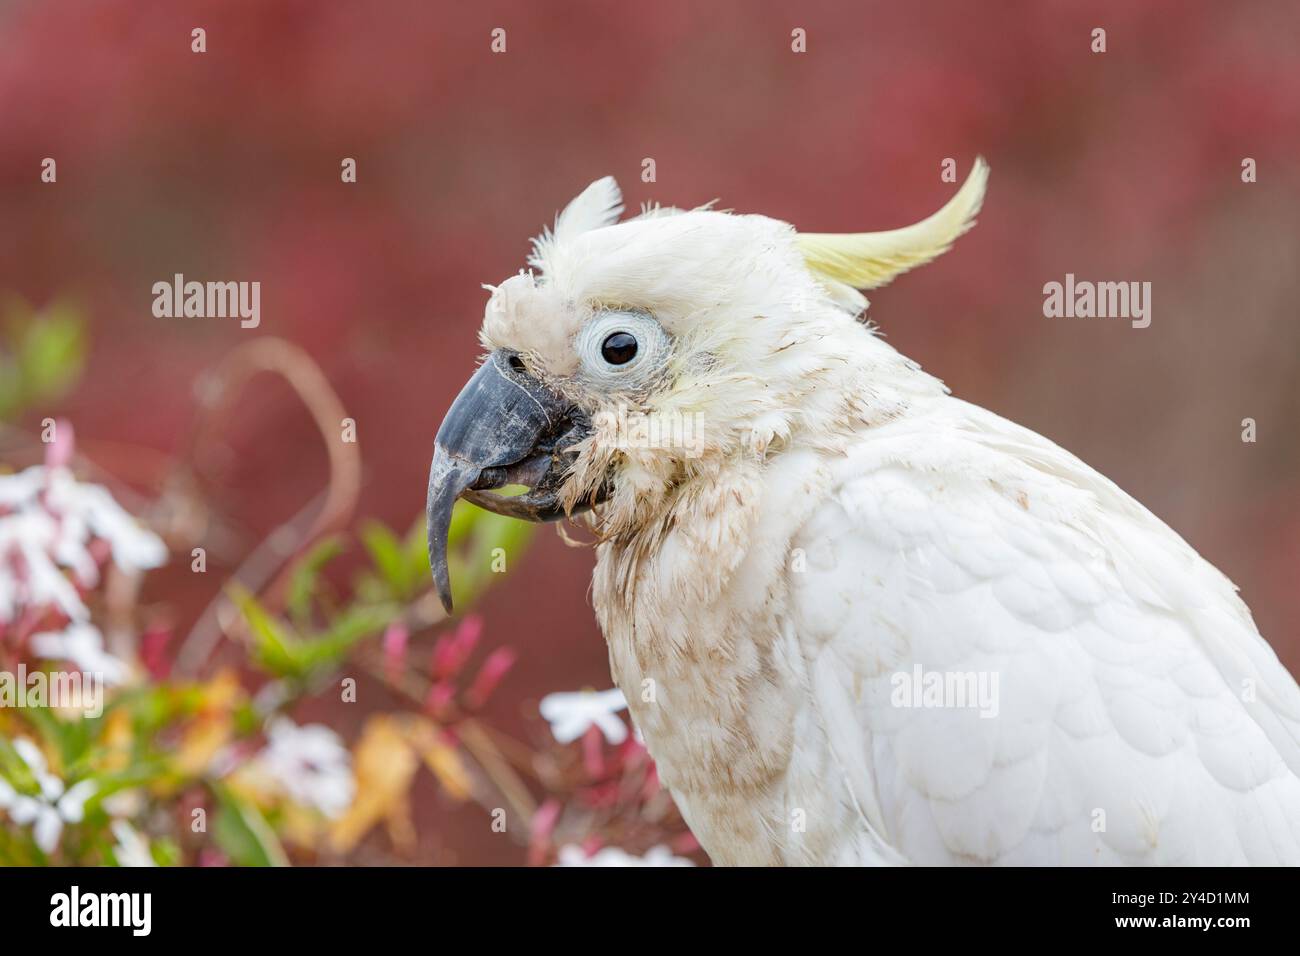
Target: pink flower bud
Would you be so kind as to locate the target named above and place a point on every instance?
(685, 844)
(395, 641)
(540, 829)
(438, 703)
(452, 651)
(58, 453)
(153, 651)
(600, 796)
(593, 753)
(492, 672)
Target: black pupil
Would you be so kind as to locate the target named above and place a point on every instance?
(619, 348)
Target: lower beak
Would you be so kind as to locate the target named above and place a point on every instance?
(504, 428)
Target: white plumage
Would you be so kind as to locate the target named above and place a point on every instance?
(843, 527)
(1141, 718)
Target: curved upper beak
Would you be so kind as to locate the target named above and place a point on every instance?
(504, 428)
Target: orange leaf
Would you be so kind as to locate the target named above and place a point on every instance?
(202, 740)
(442, 760)
(384, 764)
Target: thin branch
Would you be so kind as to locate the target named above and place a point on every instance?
(327, 511)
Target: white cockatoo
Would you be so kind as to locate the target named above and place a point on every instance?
(858, 620)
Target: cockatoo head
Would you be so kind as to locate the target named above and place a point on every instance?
(636, 357)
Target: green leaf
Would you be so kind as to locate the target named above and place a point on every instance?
(52, 353)
(283, 653)
(417, 548)
(166, 852)
(11, 387)
(274, 647)
(72, 739)
(473, 571)
(350, 627)
(463, 517)
(389, 557)
(306, 574)
(41, 354)
(243, 834)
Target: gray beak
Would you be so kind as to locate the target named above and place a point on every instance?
(504, 428)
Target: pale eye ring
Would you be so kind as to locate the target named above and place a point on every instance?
(622, 348)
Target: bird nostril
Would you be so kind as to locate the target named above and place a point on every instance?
(516, 363)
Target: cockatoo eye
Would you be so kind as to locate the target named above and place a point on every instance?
(619, 348)
(622, 349)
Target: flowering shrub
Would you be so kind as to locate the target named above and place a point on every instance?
(111, 754)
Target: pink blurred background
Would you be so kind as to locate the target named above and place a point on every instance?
(1116, 166)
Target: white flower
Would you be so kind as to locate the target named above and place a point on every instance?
(570, 715)
(131, 849)
(310, 764)
(28, 541)
(84, 646)
(17, 490)
(50, 809)
(613, 856)
(90, 511)
(48, 523)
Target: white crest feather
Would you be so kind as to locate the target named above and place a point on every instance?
(600, 204)
(868, 260)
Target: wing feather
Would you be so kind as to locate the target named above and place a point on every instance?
(965, 545)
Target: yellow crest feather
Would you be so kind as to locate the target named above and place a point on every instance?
(868, 260)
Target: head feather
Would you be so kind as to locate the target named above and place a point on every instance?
(868, 260)
(600, 204)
